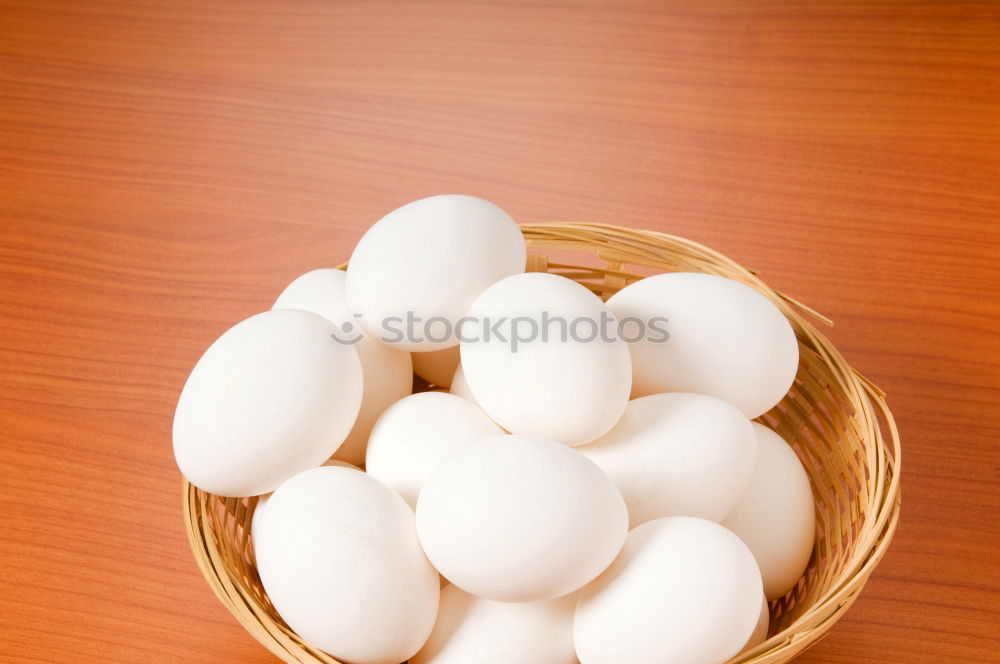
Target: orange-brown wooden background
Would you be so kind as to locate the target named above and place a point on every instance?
(167, 167)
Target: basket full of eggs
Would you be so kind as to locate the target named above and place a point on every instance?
(547, 444)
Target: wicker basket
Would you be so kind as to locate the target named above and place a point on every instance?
(835, 419)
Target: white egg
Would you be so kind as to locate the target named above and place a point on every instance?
(437, 367)
(760, 629)
(258, 511)
(520, 519)
(776, 515)
(678, 454)
(473, 630)
(722, 338)
(338, 556)
(388, 372)
(415, 434)
(429, 260)
(460, 386)
(543, 358)
(271, 397)
(682, 591)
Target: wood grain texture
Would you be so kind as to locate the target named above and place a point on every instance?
(166, 168)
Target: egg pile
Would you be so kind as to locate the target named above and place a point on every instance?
(575, 497)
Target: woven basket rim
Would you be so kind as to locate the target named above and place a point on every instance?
(884, 455)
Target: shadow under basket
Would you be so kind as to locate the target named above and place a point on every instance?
(836, 421)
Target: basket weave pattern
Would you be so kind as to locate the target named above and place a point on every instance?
(837, 422)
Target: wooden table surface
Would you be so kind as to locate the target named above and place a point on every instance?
(166, 168)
